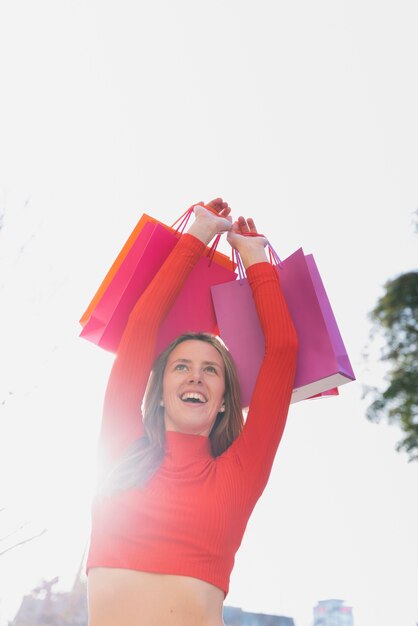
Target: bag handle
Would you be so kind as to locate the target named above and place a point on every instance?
(212, 249)
(273, 256)
(183, 220)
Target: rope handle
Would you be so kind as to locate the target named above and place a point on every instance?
(236, 258)
(183, 220)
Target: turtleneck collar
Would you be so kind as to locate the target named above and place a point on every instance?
(182, 447)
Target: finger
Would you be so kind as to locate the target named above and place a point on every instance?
(224, 208)
(216, 203)
(242, 223)
(251, 225)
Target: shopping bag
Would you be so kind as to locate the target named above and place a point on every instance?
(322, 362)
(176, 229)
(192, 311)
(129, 244)
(109, 316)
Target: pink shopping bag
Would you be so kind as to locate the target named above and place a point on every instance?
(192, 311)
(110, 315)
(322, 362)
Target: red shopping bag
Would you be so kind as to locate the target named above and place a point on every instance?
(192, 310)
(322, 361)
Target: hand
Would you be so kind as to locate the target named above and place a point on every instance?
(250, 248)
(207, 224)
(218, 205)
(236, 236)
(222, 220)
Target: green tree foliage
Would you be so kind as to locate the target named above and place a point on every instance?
(396, 316)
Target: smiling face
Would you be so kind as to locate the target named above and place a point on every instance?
(193, 387)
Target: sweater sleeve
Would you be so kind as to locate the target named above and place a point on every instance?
(257, 444)
(122, 417)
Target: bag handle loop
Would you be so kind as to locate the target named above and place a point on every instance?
(183, 220)
(273, 256)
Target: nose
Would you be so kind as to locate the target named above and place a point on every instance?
(195, 376)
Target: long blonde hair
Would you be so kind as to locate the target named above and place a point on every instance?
(144, 456)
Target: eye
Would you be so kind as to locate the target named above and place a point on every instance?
(211, 369)
(180, 367)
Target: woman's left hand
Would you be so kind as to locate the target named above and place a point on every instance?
(245, 238)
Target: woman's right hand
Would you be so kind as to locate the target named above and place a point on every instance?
(209, 223)
(245, 238)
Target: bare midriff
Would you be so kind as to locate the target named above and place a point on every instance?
(132, 598)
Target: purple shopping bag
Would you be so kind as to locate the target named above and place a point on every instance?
(192, 311)
(322, 362)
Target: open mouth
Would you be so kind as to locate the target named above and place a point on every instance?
(193, 398)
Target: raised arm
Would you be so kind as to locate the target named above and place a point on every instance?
(259, 440)
(122, 418)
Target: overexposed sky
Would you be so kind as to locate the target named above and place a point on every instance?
(300, 114)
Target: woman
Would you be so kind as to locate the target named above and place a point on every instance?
(181, 484)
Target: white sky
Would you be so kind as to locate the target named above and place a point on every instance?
(301, 114)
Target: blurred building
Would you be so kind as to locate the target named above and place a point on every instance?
(333, 613)
(237, 617)
(43, 607)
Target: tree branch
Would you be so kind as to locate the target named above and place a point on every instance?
(24, 541)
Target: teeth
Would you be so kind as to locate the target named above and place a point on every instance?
(189, 395)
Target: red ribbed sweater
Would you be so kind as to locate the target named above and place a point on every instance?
(190, 517)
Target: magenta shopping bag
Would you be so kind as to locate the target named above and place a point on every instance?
(192, 311)
(322, 362)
